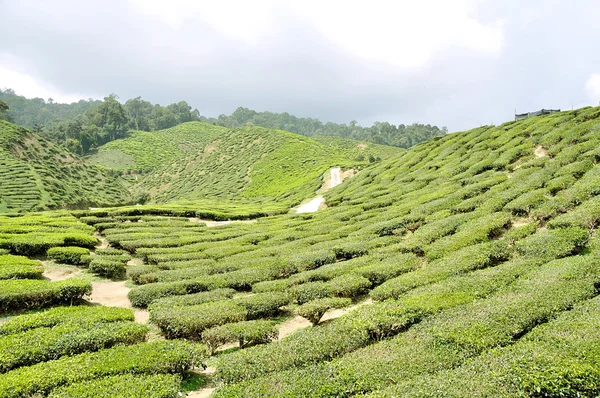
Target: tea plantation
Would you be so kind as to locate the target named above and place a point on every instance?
(36, 174)
(465, 266)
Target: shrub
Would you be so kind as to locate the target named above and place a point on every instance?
(349, 285)
(19, 267)
(107, 267)
(390, 267)
(246, 333)
(310, 291)
(551, 244)
(191, 321)
(44, 344)
(278, 285)
(314, 310)
(142, 296)
(262, 305)
(193, 299)
(68, 255)
(31, 294)
(139, 272)
(141, 359)
(80, 315)
(468, 259)
(123, 386)
(312, 260)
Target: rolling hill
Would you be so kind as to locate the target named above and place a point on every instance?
(36, 174)
(464, 266)
(195, 160)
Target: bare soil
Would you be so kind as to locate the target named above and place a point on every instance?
(58, 273)
(540, 152)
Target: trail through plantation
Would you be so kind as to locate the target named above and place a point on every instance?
(335, 179)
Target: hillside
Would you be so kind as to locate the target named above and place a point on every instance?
(198, 161)
(36, 174)
(465, 266)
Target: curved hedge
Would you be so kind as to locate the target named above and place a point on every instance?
(80, 315)
(69, 255)
(31, 294)
(44, 344)
(123, 386)
(191, 321)
(157, 357)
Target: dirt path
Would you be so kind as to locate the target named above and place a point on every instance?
(103, 242)
(208, 389)
(59, 273)
(335, 178)
(114, 294)
(211, 224)
(540, 152)
(290, 326)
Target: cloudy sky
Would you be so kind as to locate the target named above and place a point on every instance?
(458, 63)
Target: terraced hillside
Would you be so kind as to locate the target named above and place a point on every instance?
(36, 174)
(199, 161)
(466, 266)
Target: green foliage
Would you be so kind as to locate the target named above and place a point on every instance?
(83, 316)
(160, 357)
(31, 294)
(193, 299)
(553, 243)
(245, 333)
(44, 344)
(314, 310)
(36, 174)
(19, 267)
(262, 305)
(123, 386)
(69, 255)
(190, 321)
(380, 133)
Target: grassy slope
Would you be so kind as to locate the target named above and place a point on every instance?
(197, 161)
(36, 174)
(485, 242)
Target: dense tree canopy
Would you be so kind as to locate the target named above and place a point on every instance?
(85, 125)
(380, 133)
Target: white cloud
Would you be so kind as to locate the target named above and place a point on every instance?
(14, 76)
(404, 33)
(592, 88)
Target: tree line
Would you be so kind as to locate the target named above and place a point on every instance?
(85, 125)
(403, 136)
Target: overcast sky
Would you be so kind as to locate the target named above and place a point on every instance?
(458, 63)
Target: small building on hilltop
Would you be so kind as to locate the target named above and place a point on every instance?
(533, 114)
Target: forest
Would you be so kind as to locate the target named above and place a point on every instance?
(84, 126)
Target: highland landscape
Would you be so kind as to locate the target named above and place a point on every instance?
(299, 199)
(467, 264)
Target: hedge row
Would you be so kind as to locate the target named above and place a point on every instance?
(192, 299)
(442, 342)
(465, 260)
(191, 321)
(69, 255)
(368, 323)
(44, 344)
(31, 294)
(123, 386)
(39, 243)
(245, 333)
(315, 309)
(80, 315)
(157, 357)
(19, 267)
(545, 363)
